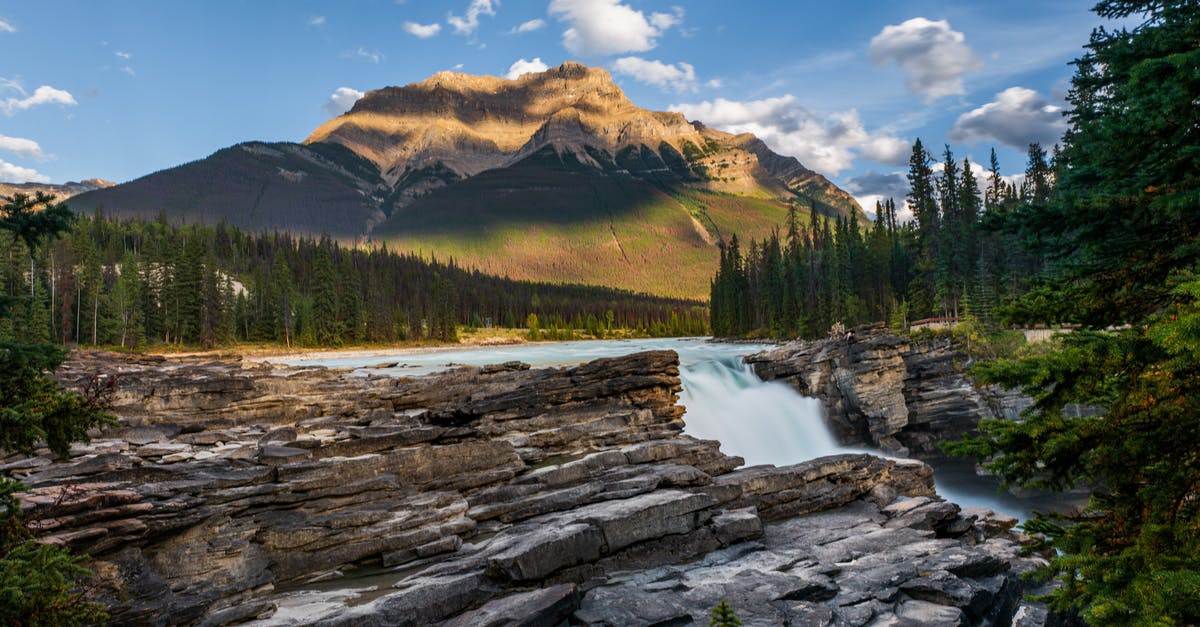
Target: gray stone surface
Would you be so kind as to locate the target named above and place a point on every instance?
(496, 495)
(882, 390)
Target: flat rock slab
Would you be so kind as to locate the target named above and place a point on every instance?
(842, 567)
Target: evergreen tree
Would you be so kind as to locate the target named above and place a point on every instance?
(127, 303)
(37, 582)
(1122, 234)
(928, 223)
(324, 297)
(724, 616)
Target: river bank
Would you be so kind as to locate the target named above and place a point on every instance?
(490, 490)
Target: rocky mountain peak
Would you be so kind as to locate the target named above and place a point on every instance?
(468, 124)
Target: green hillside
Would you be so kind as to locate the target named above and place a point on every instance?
(577, 225)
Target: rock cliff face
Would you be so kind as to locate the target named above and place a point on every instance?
(555, 176)
(493, 495)
(881, 390)
(61, 192)
(454, 126)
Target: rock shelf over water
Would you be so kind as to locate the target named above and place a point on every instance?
(489, 495)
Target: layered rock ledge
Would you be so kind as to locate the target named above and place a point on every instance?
(489, 496)
(882, 390)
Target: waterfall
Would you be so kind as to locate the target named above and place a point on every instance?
(763, 422)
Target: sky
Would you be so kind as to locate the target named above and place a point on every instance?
(116, 89)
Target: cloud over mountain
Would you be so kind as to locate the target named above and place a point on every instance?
(603, 27)
(826, 144)
(10, 173)
(341, 100)
(1017, 117)
(933, 56)
(521, 66)
(24, 147)
(679, 77)
(467, 23)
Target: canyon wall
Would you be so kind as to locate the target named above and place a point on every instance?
(493, 495)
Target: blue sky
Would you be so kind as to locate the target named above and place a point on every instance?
(120, 88)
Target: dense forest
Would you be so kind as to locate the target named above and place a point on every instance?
(952, 258)
(134, 283)
(1105, 235)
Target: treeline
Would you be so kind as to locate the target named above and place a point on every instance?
(136, 282)
(951, 259)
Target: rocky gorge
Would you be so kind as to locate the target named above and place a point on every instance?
(888, 391)
(495, 495)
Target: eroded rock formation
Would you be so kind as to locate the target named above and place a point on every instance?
(883, 390)
(484, 495)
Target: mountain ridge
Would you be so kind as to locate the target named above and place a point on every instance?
(554, 175)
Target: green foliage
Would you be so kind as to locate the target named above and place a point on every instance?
(723, 616)
(982, 342)
(40, 584)
(1121, 233)
(134, 283)
(953, 260)
(35, 408)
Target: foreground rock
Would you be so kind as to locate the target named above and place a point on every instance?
(489, 496)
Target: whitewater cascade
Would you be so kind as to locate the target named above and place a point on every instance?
(763, 422)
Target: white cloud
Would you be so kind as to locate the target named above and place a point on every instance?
(1017, 117)
(374, 56)
(25, 147)
(603, 27)
(467, 24)
(872, 187)
(316, 20)
(528, 27)
(422, 31)
(6, 26)
(10, 173)
(663, 21)
(42, 95)
(680, 77)
(828, 144)
(124, 55)
(933, 56)
(341, 100)
(713, 83)
(521, 66)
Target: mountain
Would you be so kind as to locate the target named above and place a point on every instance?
(321, 188)
(60, 191)
(552, 176)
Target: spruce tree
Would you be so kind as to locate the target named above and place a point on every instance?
(38, 582)
(1122, 234)
(324, 297)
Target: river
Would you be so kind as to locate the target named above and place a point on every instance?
(763, 422)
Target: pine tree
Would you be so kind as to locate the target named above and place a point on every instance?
(724, 616)
(928, 224)
(324, 297)
(1121, 229)
(40, 581)
(127, 303)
